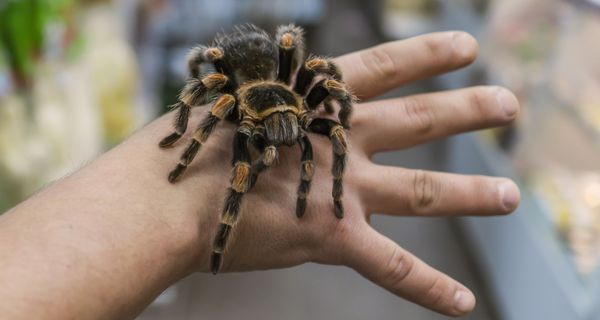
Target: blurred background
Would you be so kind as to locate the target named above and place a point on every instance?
(77, 77)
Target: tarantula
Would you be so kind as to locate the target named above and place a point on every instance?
(251, 85)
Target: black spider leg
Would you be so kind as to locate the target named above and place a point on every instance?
(224, 106)
(203, 54)
(268, 155)
(312, 67)
(214, 56)
(290, 40)
(335, 131)
(329, 108)
(332, 89)
(195, 92)
(240, 184)
(306, 174)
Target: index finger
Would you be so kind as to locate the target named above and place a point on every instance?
(373, 71)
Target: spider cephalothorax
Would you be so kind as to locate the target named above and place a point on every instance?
(251, 84)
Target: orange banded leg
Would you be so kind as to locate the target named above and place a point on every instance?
(220, 109)
(336, 133)
(306, 174)
(290, 40)
(202, 54)
(327, 104)
(335, 90)
(261, 164)
(312, 67)
(194, 93)
(240, 184)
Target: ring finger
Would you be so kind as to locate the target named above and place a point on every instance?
(401, 191)
(404, 122)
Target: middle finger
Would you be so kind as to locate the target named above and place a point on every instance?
(404, 122)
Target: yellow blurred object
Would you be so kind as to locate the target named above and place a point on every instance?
(111, 64)
(16, 169)
(62, 133)
(572, 199)
(74, 108)
(591, 194)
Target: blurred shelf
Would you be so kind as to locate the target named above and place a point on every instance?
(529, 270)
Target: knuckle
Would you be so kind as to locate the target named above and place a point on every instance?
(454, 47)
(505, 98)
(426, 191)
(398, 267)
(332, 247)
(437, 46)
(482, 184)
(484, 105)
(435, 292)
(477, 99)
(361, 116)
(379, 61)
(419, 116)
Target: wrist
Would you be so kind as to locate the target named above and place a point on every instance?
(189, 208)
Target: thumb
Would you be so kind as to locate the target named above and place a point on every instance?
(382, 261)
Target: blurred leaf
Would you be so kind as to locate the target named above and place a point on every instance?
(22, 28)
(16, 29)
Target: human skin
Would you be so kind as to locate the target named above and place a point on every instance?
(103, 242)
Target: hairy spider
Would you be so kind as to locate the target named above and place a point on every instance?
(251, 85)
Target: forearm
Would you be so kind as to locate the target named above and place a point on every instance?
(106, 240)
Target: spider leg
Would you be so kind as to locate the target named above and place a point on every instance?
(329, 108)
(290, 40)
(202, 54)
(335, 131)
(240, 184)
(306, 175)
(266, 159)
(220, 109)
(332, 89)
(194, 93)
(312, 67)
(268, 153)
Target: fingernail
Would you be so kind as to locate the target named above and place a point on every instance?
(464, 45)
(509, 195)
(507, 102)
(463, 301)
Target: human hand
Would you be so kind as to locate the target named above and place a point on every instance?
(268, 233)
